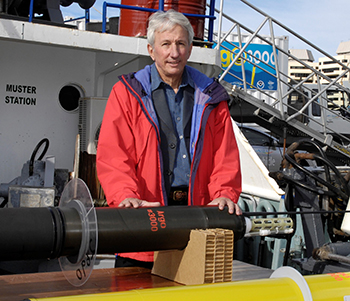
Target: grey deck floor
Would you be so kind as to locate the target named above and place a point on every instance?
(246, 271)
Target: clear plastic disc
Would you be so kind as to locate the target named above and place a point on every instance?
(77, 269)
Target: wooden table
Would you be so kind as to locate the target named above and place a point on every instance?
(53, 284)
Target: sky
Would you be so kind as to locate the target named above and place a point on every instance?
(325, 23)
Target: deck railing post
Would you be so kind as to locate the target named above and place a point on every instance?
(161, 5)
(104, 16)
(211, 21)
(87, 16)
(31, 10)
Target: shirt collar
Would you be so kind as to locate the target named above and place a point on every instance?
(156, 80)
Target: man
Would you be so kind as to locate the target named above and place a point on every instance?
(166, 137)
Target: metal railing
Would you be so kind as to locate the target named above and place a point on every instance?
(210, 16)
(86, 17)
(239, 38)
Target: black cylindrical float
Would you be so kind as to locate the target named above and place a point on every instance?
(39, 233)
(27, 233)
(160, 228)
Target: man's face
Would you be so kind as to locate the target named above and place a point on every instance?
(170, 52)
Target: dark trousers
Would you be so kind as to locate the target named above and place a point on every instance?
(123, 262)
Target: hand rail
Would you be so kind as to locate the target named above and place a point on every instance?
(233, 47)
(86, 17)
(211, 15)
(121, 6)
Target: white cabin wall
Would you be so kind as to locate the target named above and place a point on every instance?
(109, 65)
(47, 69)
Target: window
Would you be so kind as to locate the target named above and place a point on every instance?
(69, 98)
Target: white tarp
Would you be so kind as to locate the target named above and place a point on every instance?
(255, 176)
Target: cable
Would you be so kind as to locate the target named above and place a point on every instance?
(328, 164)
(36, 149)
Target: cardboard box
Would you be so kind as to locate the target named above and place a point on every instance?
(206, 259)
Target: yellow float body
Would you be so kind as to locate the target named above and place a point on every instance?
(285, 284)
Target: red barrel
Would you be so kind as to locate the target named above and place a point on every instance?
(134, 23)
(186, 7)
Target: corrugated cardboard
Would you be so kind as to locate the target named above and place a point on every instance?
(206, 259)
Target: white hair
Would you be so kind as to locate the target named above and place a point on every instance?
(162, 21)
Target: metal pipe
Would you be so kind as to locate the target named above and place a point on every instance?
(242, 50)
(220, 24)
(211, 20)
(161, 5)
(338, 251)
(31, 10)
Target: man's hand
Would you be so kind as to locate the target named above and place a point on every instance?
(136, 203)
(222, 202)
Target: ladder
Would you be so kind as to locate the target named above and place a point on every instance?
(295, 108)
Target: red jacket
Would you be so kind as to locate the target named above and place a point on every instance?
(129, 156)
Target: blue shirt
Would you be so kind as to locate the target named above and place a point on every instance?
(182, 167)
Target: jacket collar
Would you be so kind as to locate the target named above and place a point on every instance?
(212, 90)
